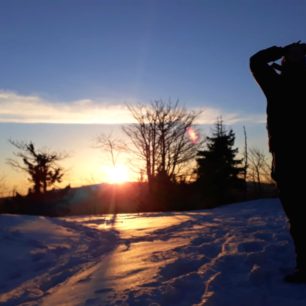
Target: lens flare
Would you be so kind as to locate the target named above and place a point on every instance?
(193, 135)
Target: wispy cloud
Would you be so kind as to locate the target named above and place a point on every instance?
(209, 115)
(34, 109)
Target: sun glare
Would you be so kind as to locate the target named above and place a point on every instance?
(117, 175)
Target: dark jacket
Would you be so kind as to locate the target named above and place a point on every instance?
(286, 98)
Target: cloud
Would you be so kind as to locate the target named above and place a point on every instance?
(209, 115)
(34, 109)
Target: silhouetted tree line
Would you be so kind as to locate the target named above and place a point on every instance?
(182, 170)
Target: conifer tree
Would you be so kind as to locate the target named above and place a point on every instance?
(40, 166)
(219, 171)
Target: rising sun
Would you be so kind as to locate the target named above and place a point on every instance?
(118, 174)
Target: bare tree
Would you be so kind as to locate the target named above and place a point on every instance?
(111, 145)
(3, 189)
(41, 166)
(245, 158)
(161, 137)
(259, 168)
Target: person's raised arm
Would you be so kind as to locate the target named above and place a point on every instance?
(262, 71)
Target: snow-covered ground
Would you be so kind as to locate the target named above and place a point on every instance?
(233, 255)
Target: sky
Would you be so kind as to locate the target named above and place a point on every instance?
(69, 67)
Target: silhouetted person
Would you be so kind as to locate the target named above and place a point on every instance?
(285, 88)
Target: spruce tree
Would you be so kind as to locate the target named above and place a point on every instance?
(219, 171)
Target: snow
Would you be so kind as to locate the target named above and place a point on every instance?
(233, 255)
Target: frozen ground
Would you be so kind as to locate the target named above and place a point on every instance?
(234, 255)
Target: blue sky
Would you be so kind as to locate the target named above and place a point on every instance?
(60, 60)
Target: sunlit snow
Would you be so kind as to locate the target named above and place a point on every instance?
(232, 255)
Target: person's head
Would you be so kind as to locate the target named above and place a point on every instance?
(294, 56)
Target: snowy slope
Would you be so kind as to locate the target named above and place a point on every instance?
(234, 255)
(37, 253)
